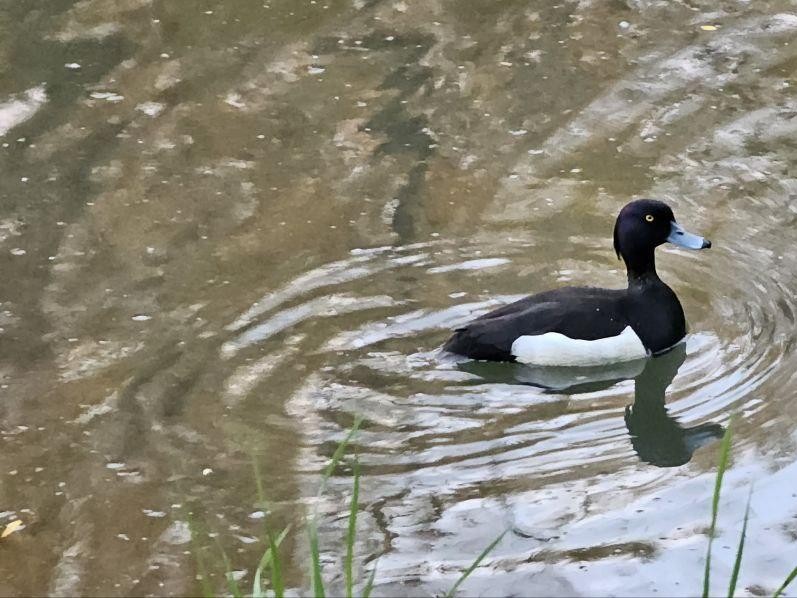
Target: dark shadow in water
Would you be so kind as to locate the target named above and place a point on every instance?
(556, 379)
(656, 436)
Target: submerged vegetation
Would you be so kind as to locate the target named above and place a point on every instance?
(269, 582)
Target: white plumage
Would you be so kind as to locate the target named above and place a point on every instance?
(553, 348)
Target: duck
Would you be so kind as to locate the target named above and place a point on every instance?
(590, 326)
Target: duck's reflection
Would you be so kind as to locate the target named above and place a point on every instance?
(656, 436)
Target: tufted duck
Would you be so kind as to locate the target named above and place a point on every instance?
(587, 326)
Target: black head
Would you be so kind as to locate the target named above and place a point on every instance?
(643, 225)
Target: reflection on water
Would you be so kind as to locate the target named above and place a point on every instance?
(563, 379)
(656, 436)
(229, 228)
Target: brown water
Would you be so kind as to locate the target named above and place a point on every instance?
(227, 228)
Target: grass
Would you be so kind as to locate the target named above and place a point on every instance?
(475, 564)
(352, 530)
(789, 579)
(722, 466)
(268, 579)
(725, 454)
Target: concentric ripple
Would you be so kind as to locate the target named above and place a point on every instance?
(441, 435)
(382, 347)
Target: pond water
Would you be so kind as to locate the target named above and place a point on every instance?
(229, 228)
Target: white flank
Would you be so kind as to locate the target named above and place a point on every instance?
(553, 348)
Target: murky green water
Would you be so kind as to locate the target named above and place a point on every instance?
(227, 228)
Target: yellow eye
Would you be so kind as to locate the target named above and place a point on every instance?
(649, 217)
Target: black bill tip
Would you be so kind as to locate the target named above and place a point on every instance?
(706, 244)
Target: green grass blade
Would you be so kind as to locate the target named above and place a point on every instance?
(475, 564)
(207, 589)
(370, 584)
(738, 563)
(312, 530)
(270, 560)
(338, 454)
(352, 531)
(318, 582)
(261, 495)
(725, 452)
(276, 568)
(232, 585)
(257, 583)
(786, 583)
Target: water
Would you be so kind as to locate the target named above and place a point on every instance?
(227, 229)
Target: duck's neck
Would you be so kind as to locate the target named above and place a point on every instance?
(641, 268)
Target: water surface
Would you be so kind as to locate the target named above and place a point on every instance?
(229, 228)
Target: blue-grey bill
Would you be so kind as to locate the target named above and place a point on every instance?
(682, 238)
